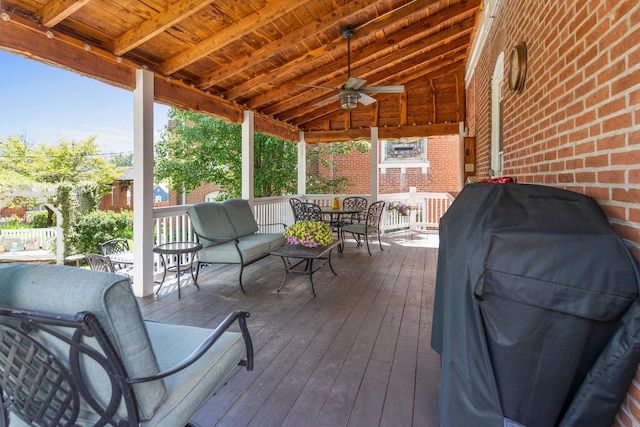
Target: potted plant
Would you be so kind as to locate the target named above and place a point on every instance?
(309, 233)
(402, 208)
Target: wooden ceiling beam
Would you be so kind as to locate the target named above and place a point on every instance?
(429, 61)
(319, 113)
(383, 133)
(266, 15)
(26, 38)
(272, 49)
(157, 24)
(392, 54)
(55, 12)
(284, 75)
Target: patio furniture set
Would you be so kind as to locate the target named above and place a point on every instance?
(228, 233)
(100, 334)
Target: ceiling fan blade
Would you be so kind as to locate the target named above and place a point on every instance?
(354, 83)
(326, 101)
(320, 87)
(366, 99)
(383, 89)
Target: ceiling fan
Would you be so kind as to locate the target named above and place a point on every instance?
(354, 91)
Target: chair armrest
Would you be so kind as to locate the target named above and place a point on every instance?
(206, 345)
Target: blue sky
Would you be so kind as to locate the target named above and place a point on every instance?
(46, 102)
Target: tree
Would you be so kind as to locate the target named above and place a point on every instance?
(196, 149)
(67, 161)
(122, 159)
(70, 163)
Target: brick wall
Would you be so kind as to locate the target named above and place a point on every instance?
(443, 153)
(576, 124)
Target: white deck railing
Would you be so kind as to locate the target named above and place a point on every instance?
(426, 211)
(172, 224)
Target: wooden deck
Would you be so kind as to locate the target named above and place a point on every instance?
(358, 354)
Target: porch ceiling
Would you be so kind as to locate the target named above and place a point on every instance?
(222, 57)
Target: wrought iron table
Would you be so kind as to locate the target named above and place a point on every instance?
(179, 249)
(306, 256)
(337, 221)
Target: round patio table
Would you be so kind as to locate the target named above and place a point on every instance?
(337, 221)
(179, 249)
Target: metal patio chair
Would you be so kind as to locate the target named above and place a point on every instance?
(91, 359)
(355, 203)
(369, 227)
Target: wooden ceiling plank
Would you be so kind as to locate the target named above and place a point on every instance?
(26, 38)
(154, 26)
(225, 37)
(317, 113)
(55, 12)
(336, 47)
(403, 54)
(272, 49)
(431, 58)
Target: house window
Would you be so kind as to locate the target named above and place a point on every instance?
(404, 150)
(404, 153)
(211, 197)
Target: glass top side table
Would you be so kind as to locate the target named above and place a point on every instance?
(179, 249)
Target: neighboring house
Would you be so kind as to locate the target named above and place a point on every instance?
(160, 195)
(121, 196)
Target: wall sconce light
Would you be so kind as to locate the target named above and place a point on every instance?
(349, 100)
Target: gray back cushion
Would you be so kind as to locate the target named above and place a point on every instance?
(211, 220)
(69, 290)
(241, 216)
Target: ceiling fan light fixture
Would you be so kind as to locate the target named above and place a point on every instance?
(348, 101)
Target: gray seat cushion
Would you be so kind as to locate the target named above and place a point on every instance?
(211, 220)
(69, 290)
(241, 216)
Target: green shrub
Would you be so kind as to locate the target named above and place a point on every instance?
(38, 219)
(11, 222)
(89, 230)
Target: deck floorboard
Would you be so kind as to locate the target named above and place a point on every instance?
(358, 354)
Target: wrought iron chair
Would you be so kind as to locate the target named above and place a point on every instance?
(369, 227)
(94, 361)
(355, 203)
(103, 263)
(294, 202)
(100, 263)
(304, 211)
(115, 246)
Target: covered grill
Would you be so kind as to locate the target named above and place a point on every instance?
(536, 313)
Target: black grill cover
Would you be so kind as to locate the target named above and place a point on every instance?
(536, 315)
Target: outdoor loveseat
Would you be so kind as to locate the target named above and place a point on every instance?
(74, 350)
(229, 234)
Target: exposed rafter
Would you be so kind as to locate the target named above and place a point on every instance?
(222, 57)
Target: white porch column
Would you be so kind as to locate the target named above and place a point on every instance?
(375, 147)
(143, 184)
(302, 165)
(248, 133)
